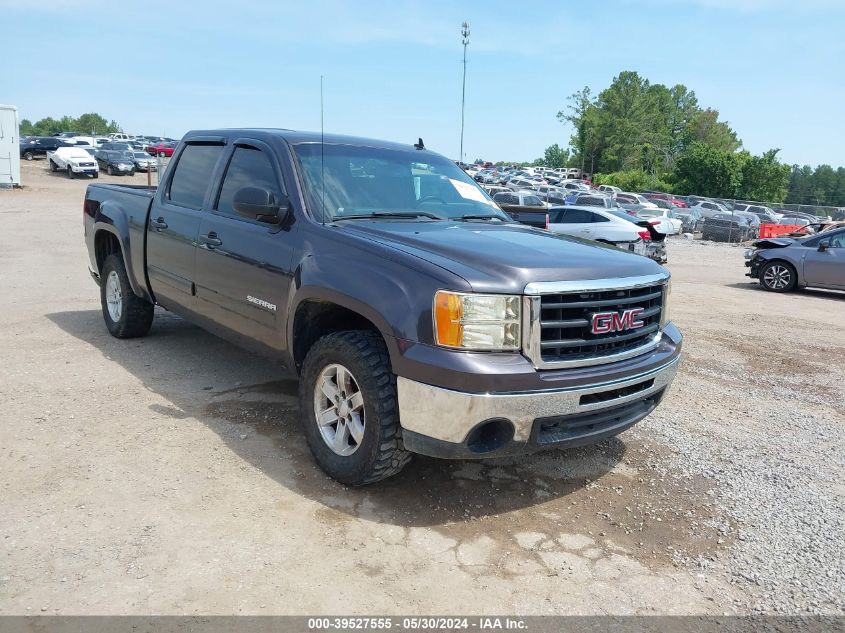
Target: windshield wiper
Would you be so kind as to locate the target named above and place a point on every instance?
(479, 216)
(389, 214)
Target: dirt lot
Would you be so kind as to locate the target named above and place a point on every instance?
(169, 475)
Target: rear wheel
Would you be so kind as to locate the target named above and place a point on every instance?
(778, 276)
(126, 314)
(28, 155)
(349, 411)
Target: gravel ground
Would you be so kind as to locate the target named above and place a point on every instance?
(168, 474)
(763, 418)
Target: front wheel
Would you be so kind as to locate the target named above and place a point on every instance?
(69, 172)
(349, 411)
(778, 277)
(110, 171)
(126, 314)
(53, 166)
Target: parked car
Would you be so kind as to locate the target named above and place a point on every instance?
(727, 227)
(590, 199)
(35, 146)
(609, 189)
(668, 197)
(115, 163)
(638, 199)
(519, 198)
(794, 220)
(598, 225)
(782, 264)
(708, 208)
(516, 184)
(655, 243)
(492, 190)
(765, 214)
(144, 162)
(73, 161)
(157, 149)
(665, 219)
(116, 146)
(392, 346)
(691, 219)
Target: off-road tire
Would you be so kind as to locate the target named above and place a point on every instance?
(136, 316)
(790, 270)
(381, 453)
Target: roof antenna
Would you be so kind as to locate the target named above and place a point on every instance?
(419, 144)
(322, 159)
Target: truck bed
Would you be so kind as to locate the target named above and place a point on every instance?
(128, 206)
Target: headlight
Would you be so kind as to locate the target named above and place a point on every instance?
(477, 322)
(667, 295)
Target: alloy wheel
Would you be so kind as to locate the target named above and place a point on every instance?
(339, 409)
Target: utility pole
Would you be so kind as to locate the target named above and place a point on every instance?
(464, 41)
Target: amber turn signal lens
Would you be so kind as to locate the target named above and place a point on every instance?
(448, 311)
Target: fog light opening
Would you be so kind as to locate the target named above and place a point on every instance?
(490, 435)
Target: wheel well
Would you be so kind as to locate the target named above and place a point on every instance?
(105, 244)
(316, 319)
(778, 260)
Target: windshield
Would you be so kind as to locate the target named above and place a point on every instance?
(365, 181)
(142, 155)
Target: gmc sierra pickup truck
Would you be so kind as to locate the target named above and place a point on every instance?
(417, 315)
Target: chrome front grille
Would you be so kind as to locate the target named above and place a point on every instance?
(558, 317)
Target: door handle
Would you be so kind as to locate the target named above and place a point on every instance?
(211, 240)
(158, 224)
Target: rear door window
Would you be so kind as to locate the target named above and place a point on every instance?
(193, 175)
(577, 216)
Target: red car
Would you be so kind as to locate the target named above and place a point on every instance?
(668, 197)
(160, 148)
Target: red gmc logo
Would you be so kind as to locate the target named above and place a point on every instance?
(607, 322)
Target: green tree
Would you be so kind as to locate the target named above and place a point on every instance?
(706, 128)
(88, 123)
(555, 156)
(632, 180)
(764, 178)
(634, 125)
(708, 171)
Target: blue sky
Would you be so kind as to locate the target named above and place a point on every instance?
(773, 68)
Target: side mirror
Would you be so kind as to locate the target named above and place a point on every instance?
(824, 245)
(261, 204)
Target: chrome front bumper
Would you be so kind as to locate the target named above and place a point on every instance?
(447, 416)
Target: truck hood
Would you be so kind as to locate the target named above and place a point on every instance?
(503, 258)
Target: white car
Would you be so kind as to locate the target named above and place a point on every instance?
(610, 189)
(708, 209)
(636, 198)
(599, 225)
(73, 161)
(520, 198)
(663, 220)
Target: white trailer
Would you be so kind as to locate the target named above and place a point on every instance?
(10, 151)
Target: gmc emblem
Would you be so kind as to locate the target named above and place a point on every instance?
(607, 322)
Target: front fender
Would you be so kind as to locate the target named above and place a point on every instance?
(394, 297)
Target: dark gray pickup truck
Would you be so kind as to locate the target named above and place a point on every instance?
(418, 316)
